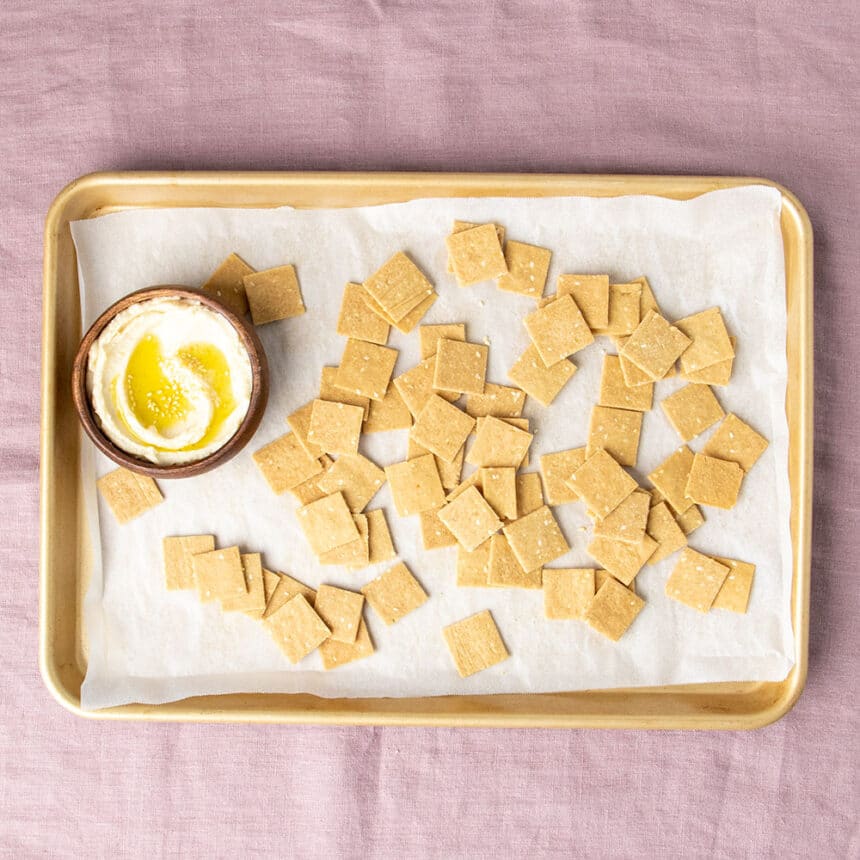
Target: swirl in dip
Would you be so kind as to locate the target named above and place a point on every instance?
(169, 380)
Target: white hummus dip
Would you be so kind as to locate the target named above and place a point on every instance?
(170, 380)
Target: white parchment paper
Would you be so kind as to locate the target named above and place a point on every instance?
(725, 248)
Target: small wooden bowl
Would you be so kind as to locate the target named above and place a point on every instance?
(256, 407)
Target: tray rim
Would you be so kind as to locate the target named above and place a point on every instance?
(201, 709)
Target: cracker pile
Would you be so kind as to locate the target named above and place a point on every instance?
(500, 519)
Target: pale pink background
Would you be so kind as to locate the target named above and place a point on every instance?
(767, 88)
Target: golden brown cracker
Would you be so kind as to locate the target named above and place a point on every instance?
(616, 431)
(567, 592)
(664, 528)
(622, 560)
(536, 539)
(505, 571)
(670, 478)
(714, 482)
(476, 255)
(691, 410)
(558, 330)
(591, 294)
(394, 594)
(442, 428)
(736, 441)
(470, 519)
(430, 335)
(297, 629)
(365, 369)
(601, 483)
(226, 283)
(616, 393)
(528, 266)
(354, 475)
(475, 643)
(398, 286)
(710, 340)
(273, 294)
(536, 379)
(177, 552)
(356, 319)
(327, 523)
(498, 443)
(461, 367)
(415, 485)
(556, 468)
(128, 494)
(696, 580)
(340, 611)
(613, 609)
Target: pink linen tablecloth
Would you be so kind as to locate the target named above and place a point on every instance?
(766, 88)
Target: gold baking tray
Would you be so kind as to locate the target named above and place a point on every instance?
(64, 552)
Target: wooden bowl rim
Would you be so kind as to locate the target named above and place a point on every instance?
(243, 434)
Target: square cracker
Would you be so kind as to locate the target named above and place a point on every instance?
(601, 575)
(227, 283)
(476, 255)
(329, 391)
(633, 376)
(734, 594)
(434, 533)
(460, 366)
(336, 653)
(655, 346)
(664, 528)
(616, 431)
(308, 491)
(416, 386)
(336, 427)
(736, 441)
(624, 309)
(390, 413)
(696, 580)
(358, 478)
(340, 611)
(691, 410)
(500, 401)
(536, 379)
(591, 294)
(567, 592)
(285, 463)
(474, 480)
(622, 560)
(714, 482)
(556, 468)
(711, 343)
(613, 609)
(628, 521)
(499, 488)
(411, 320)
(528, 266)
(394, 594)
(415, 485)
(380, 545)
(690, 520)
(253, 601)
(219, 574)
(717, 374)
(498, 443)
(505, 571)
(128, 494)
(300, 422)
(470, 519)
(473, 568)
(270, 583)
(285, 590)
(365, 369)
(670, 478)
(356, 553)
(297, 629)
(460, 226)
(449, 473)
(558, 330)
(430, 335)
(529, 493)
(616, 393)
(177, 552)
(536, 539)
(442, 428)
(357, 320)
(398, 286)
(475, 643)
(273, 294)
(327, 523)
(601, 483)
